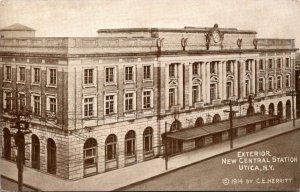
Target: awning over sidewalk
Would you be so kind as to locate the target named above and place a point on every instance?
(192, 133)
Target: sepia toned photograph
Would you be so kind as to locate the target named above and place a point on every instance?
(149, 95)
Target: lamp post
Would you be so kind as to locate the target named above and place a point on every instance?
(230, 103)
(292, 93)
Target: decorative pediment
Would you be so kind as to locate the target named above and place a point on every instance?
(214, 79)
(248, 75)
(173, 83)
(197, 80)
(230, 77)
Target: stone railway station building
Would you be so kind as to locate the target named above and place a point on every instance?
(102, 103)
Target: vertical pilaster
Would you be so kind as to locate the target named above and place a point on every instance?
(236, 74)
(204, 83)
(207, 82)
(180, 84)
(220, 77)
(167, 86)
(242, 79)
(189, 84)
(253, 76)
(223, 96)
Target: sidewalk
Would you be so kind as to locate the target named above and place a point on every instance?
(141, 171)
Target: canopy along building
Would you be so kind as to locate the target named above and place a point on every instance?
(102, 103)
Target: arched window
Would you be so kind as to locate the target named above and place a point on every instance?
(51, 156)
(288, 110)
(280, 109)
(262, 109)
(90, 156)
(199, 122)
(176, 125)
(7, 144)
(35, 152)
(148, 135)
(111, 147)
(130, 144)
(271, 109)
(216, 118)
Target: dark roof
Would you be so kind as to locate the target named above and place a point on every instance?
(17, 27)
(192, 133)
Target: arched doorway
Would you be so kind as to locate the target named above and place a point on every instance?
(250, 110)
(130, 147)
(111, 152)
(7, 144)
(271, 109)
(288, 110)
(35, 152)
(280, 110)
(176, 125)
(148, 141)
(263, 109)
(51, 156)
(216, 118)
(199, 122)
(90, 156)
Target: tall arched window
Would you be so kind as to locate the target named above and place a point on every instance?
(199, 122)
(111, 147)
(130, 144)
(288, 110)
(271, 109)
(262, 109)
(7, 144)
(90, 156)
(35, 152)
(280, 109)
(176, 125)
(51, 156)
(216, 118)
(148, 135)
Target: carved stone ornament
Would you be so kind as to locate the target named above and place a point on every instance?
(239, 42)
(214, 37)
(255, 43)
(160, 42)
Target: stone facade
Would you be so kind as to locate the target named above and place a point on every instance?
(202, 72)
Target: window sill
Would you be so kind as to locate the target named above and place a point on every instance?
(110, 160)
(129, 82)
(110, 84)
(35, 84)
(21, 82)
(52, 86)
(6, 81)
(89, 86)
(147, 80)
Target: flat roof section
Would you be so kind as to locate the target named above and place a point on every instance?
(193, 133)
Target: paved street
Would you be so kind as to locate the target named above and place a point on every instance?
(213, 175)
(10, 185)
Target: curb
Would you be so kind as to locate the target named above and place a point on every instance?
(208, 158)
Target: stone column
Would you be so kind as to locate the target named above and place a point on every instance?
(204, 83)
(242, 79)
(220, 83)
(207, 82)
(223, 96)
(180, 84)
(190, 83)
(235, 72)
(253, 76)
(256, 75)
(267, 75)
(167, 86)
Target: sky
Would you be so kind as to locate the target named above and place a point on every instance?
(82, 18)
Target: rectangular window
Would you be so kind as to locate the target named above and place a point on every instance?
(147, 99)
(287, 81)
(195, 93)
(270, 83)
(247, 86)
(248, 65)
(52, 76)
(21, 74)
(88, 76)
(8, 100)
(171, 97)
(22, 101)
(36, 105)
(109, 75)
(195, 68)
(261, 64)
(228, 67)
(36, 75)
(128, 101)
(278, 63)
(228, 89)
(128, 73)
(172, 70)
(147, 72)
(287, 62)
(8, 73)
(88, 107)
(270, 64)
(279, 82)
(212, 67)
(212, 92)
(260, 84)
(52, 105)
(109, 104)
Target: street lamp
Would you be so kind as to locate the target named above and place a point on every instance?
(292, 93)
(230, 103)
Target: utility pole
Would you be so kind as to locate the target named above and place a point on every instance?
(230, 103)
(19, 116)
